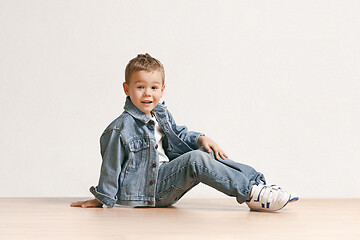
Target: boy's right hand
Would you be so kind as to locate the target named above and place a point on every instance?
(87, 204)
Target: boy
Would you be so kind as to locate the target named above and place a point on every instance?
(148, 160)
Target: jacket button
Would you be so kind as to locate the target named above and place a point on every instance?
(151, 182)
(156, 146)
(154, 165)
(149, 203)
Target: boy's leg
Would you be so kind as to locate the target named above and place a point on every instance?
(178, 176)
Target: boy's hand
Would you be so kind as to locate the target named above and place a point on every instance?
(87, 204)
(209, 144)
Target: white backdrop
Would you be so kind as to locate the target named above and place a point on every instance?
(275, 83)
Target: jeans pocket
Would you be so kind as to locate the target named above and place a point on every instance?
(169, 196)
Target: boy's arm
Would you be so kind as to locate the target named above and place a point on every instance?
(189, 137)
(113, 153)
(196, 140)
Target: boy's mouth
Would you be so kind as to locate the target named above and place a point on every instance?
(147, 101)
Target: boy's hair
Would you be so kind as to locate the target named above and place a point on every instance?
(144, 62)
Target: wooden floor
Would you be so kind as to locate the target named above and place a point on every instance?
(52, 218)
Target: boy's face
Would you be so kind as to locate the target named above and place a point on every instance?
(145, 90)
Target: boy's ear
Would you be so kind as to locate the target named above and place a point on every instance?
(162, 90)
(126, 89)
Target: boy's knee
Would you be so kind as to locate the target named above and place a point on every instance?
(199, 158)
(211, 154)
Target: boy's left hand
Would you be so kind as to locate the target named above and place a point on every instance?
(209, 144)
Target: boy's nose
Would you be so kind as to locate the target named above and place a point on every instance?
(147, 93)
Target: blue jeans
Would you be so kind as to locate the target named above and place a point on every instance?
(178, 176)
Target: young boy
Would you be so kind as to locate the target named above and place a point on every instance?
(148, 160)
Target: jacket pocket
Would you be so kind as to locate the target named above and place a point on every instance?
(139, 152)
(139, 144)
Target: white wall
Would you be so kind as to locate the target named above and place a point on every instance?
(275, 83)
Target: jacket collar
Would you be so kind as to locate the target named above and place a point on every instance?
(137, 113)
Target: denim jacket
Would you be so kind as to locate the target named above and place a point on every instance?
(130, 161)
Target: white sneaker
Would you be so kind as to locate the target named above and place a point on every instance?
(269, 198)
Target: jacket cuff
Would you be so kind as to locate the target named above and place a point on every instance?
(108, 201)
(197, 139)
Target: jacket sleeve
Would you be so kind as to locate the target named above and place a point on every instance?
(112, 152)
(189, 137)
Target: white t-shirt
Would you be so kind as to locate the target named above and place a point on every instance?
(159, 135)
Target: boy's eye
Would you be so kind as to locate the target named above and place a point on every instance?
(140, 87)
(154, 88)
